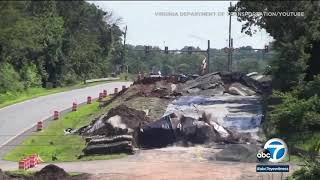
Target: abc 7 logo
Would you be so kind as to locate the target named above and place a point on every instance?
(275, 151)
(263, 155)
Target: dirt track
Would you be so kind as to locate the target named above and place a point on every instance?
(169, 163)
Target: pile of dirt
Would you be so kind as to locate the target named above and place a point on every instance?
(51, 172)
(238, 153)
(152, 80)
(131, 117)
(3, 176)
(113, 132)
(149, 87)
(118, 121)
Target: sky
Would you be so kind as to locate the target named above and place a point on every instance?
(166, 23)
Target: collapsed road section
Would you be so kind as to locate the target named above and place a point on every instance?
(217, 108)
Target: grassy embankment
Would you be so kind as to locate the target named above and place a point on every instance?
(52, 141)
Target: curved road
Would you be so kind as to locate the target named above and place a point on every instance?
(20, 117)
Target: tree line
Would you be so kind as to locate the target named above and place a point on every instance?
(245, 60)
(55, 42)
(294, 108)
(59, 43)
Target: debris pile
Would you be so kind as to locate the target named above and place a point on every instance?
(174, 129)
(238, 153)
(51, 172)
(159, 111)
(218, 83)
(3, 176)
(113, 131)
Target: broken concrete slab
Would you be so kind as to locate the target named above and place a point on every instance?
(239, 89)
(108, 140)
(219, 111)
(110, 148)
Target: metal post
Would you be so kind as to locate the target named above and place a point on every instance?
(229, 52)
(208, 54)
(124, 48)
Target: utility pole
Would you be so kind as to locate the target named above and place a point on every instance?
(229, 50)
(124, 49)
(208, 53)
(231, 54)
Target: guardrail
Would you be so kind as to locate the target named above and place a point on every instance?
(101, 79)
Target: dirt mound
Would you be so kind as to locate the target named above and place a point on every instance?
(131, 117)
(3, 176)
(118, 121)
(152, 80)
(113, 132)
(51, 172)
(238, 153)
(160, 88)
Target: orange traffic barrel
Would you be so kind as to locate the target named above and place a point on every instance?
(74, 106)
(56, 115)
(39, 125)
(89, 99)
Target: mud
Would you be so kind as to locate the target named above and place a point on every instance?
(129, 119)
(3, 176)
(237, 153)
(51, 172)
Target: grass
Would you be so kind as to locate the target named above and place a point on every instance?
(16, 97)
(308, 143)
(52, 141)
(29, 173)
(20, 173)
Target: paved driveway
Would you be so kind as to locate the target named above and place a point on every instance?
(19, 117)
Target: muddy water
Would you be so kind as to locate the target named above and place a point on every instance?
(236, 113)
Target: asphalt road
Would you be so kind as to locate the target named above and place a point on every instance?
(20, 117)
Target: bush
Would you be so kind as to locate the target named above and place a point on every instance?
(294, 115)
(69, 78)
(311, 88)
(311, 171)
(9, 79)
(30, 76)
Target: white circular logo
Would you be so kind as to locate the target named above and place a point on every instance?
(277, 148)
